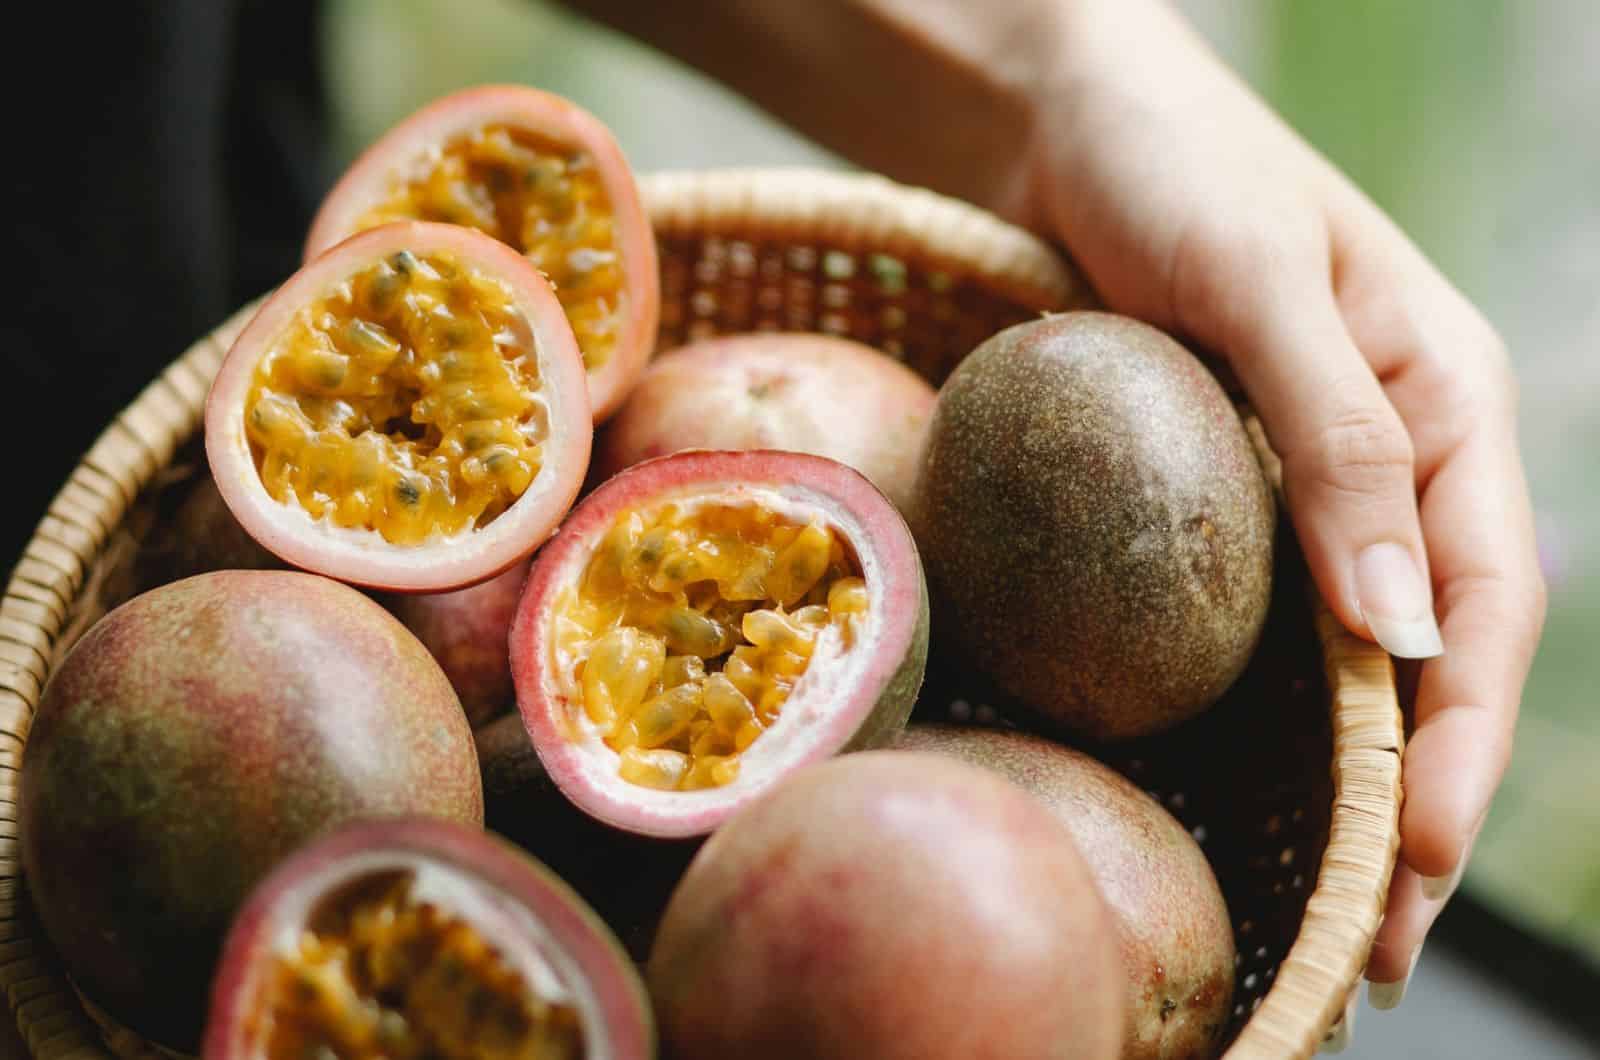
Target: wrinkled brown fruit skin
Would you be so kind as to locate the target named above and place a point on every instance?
(193, 738)
(888, 905)
(467, 632)
(1173, 927)
(1096, 526)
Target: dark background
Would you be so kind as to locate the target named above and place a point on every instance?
(163, 171)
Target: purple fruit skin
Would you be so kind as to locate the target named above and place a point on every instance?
(194, 737)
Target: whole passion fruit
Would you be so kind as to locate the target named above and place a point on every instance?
(706, 623)
(890, 905)
(1172, 924)
(1096, 524)
(542, 175)
(422, 938)
(467, 632)
(193, 738)
(407, 412)
(200, 536)
(802, 392)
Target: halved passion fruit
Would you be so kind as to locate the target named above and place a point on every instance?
(542, 175)
(407, 412)
(707, 622)
(417, 937)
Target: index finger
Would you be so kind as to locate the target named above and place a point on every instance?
(1450, 380)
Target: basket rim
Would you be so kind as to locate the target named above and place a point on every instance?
(851, 211)
(858, 212)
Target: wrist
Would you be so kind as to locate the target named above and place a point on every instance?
(1115, 69)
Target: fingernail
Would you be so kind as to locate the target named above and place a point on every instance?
(1438, 888)
(1387, 996)
(1395, 601)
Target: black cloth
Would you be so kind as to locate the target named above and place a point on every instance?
(164, 161)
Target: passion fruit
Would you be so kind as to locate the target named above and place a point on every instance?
(546, 177)
(193, 738)
(888, 905)
(417, 938)
(1173, 929)
(771, 390)
(407, 412)
(706, 623)
(1096, 524)
(467, 632)
(200, 536)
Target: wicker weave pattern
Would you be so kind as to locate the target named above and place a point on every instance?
(804, 207)
(919, 276)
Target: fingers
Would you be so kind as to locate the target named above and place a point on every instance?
(1355, 451)
(1412, 908)
(1452, 766)
(1491, 599)
(1347, 457)
(1398, 944)
(1449, 379)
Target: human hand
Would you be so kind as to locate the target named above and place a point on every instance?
(1110, 125)
(1389, 398)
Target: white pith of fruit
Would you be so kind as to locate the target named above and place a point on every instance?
(547, 969)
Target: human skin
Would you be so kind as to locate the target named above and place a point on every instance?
(1110, 126)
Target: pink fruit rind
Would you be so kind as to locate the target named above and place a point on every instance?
(387, 161)
(466, 632)
(797, 391)
(276, 911)
(889, 908)
(363, 557)
(848, 703)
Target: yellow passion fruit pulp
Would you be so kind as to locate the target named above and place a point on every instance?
(380, 973)
(545, 200)
(406, 401)
(691, 625)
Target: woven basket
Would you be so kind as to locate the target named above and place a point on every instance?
(1292, 784)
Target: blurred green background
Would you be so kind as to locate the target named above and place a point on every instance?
(1470, 121)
